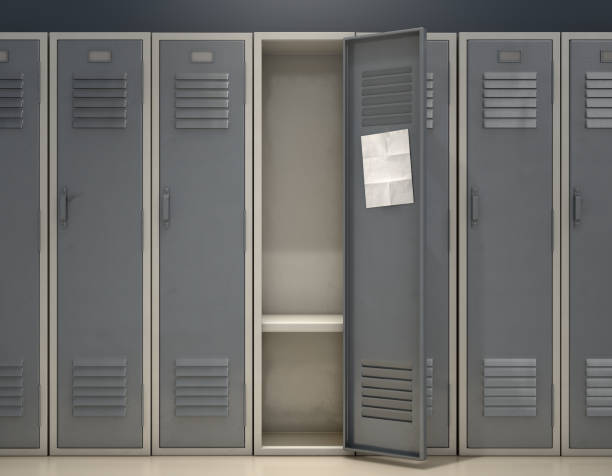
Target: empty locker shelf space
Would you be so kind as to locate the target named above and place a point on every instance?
(302, 391)
(301, 302)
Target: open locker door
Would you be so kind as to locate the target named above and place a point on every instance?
(384, 81)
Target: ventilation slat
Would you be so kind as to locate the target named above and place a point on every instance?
(202, 93)
(11, 388)
(386, 88)
(598, 391)
(202, 103)
(201, 84)
(510, 123)
(386, 99)
(599, 93)
(429, 385)
(429, 103)
(99, 387)
(103, 113)
(510, 93)
(510, 75)
(11, 84)
(11, 76)
(509, 387)
(11, 123)
(14, 113)
(99, 101)
(393, 89)
(201, 124)
(11, 102)
(195, 113)
(99, 93)
(99, 84)
(598, 75)
(201, 387)
(11, 93)
(599, 84)
(386, 390)
(510, 113)
(509, 100)
(386, 414)
(205, 76)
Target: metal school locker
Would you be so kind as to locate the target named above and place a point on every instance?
(202, 243)
(384, 251)
(587, 230)
(509, 234)
(23, 275)
(100, 243)
(441, 246)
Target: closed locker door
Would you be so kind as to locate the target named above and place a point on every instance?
(19, 253)
(510, 241)
(384, 80)
(437, 299)
(202, 244)
(590, 233)
(99, 243)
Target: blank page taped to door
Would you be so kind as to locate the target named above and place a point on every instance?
(387, 171)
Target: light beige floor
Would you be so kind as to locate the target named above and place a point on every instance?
(302, 466)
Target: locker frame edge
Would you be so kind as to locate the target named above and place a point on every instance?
(145, 450)
(247, 38)
(464, 450)
(259, 448)
(451, 450)
(44, 249)
(566, 38)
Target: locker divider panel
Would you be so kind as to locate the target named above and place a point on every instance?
(23, 282)
(510, 253)
(202, 232)
(100, 238)
(587, 202)
(384, 278)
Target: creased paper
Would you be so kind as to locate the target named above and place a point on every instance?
(387, 170)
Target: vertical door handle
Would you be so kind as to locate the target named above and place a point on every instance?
(474, 206)
(577, 207)
(165, 207)
(63, 207)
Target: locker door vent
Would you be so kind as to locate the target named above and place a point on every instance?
(11, 389)
(509, 100)
(509, 387)
(11, 101)
(201, 100)
(599, 387)
(386, 391)
(429, 373)
(99, 387)
(99, 101)
(598, 101)
(386, 97)
(429, 102)
(202, 387)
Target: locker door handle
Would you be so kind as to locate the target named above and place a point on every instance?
(474, 206)
(577, 207)
(165, 207)
(63, 207)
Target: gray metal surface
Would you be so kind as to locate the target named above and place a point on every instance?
(384, 254)
(19, 253)
(437, 245)
(509, 243)
(590, 231)
(201, 238)
(99, 245)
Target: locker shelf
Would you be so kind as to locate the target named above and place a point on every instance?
(302, 323)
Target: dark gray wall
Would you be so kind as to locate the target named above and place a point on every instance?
(305, 15)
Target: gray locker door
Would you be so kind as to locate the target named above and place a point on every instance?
(202, 239)
(19, 253)
(99, 243)
(590, 236)
(509, 243)
(437, 246)
(384, 252)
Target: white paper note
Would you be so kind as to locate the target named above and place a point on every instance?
(387, 171)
